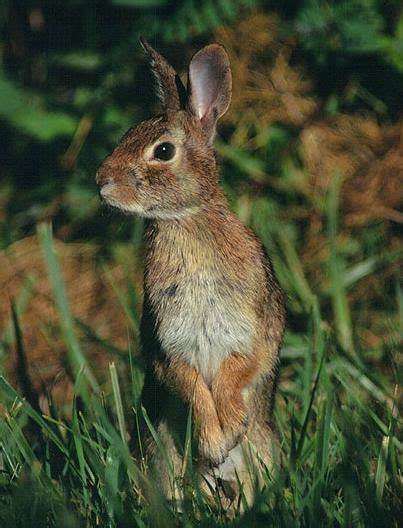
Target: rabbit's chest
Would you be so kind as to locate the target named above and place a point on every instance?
(203, 321)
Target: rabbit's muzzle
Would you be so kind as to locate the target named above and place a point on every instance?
(106, 179)
(116, 170)
(117, 183)
(103, 177)
(104, 188)
(106, 185)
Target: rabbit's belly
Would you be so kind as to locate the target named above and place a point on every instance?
(203, 328)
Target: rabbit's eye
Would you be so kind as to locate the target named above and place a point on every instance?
(164, 151)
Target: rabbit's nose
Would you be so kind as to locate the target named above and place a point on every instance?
(102, 178)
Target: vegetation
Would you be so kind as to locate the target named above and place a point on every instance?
(311, 159)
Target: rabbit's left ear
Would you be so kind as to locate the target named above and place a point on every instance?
(170, 90)
(209, 86)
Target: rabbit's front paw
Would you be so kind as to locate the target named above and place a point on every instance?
(213, 445)
(235, 431)
(234, 435)
(234, 420)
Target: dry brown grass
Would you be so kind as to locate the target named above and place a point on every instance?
(92, 300)
(369, 158)
(266, 88)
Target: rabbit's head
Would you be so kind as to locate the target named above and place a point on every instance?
(165, 167)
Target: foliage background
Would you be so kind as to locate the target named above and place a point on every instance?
(311, 158)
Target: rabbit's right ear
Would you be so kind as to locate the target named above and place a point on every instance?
(210, 86)
(170, 90)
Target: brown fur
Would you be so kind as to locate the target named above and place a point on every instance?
(213, 313)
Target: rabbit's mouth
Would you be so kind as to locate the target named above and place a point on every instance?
(153, 213)
(106, 192)
(124, 208)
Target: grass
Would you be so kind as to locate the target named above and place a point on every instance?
(335, 414)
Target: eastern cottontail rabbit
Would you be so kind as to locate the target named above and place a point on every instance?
(213, 311)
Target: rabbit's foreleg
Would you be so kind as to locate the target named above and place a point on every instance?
(187, 381)
(236, 372)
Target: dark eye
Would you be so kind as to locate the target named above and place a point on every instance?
(164, 151)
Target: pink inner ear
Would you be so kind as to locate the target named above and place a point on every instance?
(205, 78)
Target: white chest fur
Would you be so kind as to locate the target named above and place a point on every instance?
(201, 320)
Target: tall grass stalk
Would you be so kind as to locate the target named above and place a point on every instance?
(75, 354)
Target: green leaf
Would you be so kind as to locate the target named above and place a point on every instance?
(24, 112)
(80, 60)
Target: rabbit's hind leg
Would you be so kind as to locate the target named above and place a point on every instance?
(235, 374)
(166, 464)
(243, 475)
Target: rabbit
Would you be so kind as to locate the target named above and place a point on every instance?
(213, 315)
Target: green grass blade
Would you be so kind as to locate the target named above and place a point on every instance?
(20, 304)
(137, 379)
(79, 448)
(250, 165)
(368, 266)
(27, 454)
(125, 303)
(322, 450)
(112, 466)
(118, 402)
(299, 280)
(22, 365)
(336, 270)
(11, 396)
(92, 336)
(187, 456)
(322, 446)
(304, 427)
(159, 444)
(380, 475)
(75, 354)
